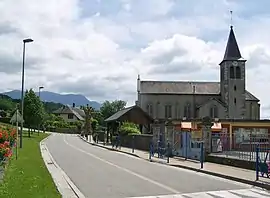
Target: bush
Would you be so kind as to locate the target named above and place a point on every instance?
(128, 128)
(7, 140)
(5, 120)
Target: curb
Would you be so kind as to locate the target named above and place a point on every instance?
(253, 183)
(111, 149)
(63, 183)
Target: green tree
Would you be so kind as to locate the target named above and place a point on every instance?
(88, 120)
(51, 106)
(6, 103)
(34, 113)
(94, 124)
(109, 108)
(128, 128)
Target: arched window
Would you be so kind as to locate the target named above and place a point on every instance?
(150, 109)
(168, 111)
(187, 111)
(176, 110)
(238, 73)
(232, 76)
(214, 112)
(157, 109)
(222, 73)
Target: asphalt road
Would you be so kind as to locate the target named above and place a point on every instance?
(100, 173)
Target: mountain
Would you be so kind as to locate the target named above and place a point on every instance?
(66, 99)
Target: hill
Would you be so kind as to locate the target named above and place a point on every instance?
(66, 99)
(8, 105)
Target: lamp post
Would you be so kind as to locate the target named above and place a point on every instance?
(39, 89)
(29, 40)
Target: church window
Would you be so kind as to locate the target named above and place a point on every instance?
(250, 111)
(214, 112)
(176, 110)
(168, 111)
(235, 101)
(150, 109)
(234, 87)
(232, 76)
(238, 73)
(187, 111)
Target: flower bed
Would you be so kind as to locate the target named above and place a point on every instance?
(7, 141)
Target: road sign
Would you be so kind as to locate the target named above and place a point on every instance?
(17, 117)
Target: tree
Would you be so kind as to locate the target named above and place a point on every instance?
(88, 117)
(6, 103)
(34, 113)
(128, 128)
(109, 108)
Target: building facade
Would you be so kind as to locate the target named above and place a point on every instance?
(227, 99)
(70, 113)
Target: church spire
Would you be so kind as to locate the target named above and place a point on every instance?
(232, 50)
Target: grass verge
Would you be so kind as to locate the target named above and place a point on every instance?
(28, 176)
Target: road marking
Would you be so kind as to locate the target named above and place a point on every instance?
(124, 169)
(246, 193)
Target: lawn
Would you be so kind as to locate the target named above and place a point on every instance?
(28, 176)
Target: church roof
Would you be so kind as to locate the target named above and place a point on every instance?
(179, 87)
(232, 50)
(185, 87)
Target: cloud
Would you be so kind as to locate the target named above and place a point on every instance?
(97, 48)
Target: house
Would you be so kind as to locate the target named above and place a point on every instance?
(226, 99)
(70, 113)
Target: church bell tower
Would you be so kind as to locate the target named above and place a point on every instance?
(233, 79)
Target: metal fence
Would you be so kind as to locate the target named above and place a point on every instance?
(240, 145)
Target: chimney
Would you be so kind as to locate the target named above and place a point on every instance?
(73, 105)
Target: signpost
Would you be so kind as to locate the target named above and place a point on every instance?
(16, 118)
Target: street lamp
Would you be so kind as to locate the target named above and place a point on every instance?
(39, 89)
(29, 40)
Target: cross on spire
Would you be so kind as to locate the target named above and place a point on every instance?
(231, 12)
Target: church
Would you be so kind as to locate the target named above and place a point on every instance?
(226, 99)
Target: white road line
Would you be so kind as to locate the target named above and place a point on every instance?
(221, 194)
(124, 169)
(181, 169)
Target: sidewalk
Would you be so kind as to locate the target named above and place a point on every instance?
(227, 172)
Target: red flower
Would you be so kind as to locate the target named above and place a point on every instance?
(6, 143)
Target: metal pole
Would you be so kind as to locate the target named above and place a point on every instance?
(202, 155)
(257, 163)
(133, 143)
(150, 151)
(17, 133)
(22, 95)
(41, 101)
(39, 98)
(168, 154)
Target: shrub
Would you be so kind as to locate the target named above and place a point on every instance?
(7, 140)
(5, 120)
(128, 128)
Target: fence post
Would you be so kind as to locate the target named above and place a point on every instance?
(150, 152)
(133, 143)
(158, 148)
(186, 151)
(168, 154)
(257, 163)
(202, 155)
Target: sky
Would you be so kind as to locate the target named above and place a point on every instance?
(98, 47)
